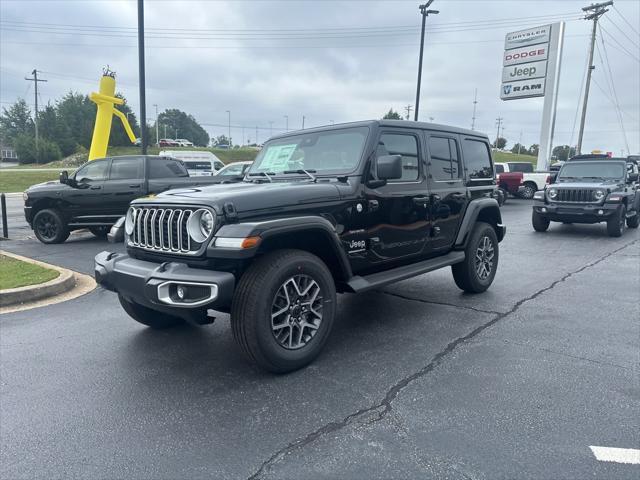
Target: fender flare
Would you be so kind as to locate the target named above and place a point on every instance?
(471, 216)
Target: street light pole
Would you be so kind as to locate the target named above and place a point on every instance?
(141, 75)
(425, 13)
(157, 137)
(229, 139)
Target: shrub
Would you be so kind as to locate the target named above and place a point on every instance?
(25, 146)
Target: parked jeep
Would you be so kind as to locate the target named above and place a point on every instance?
(591, 191)
(344, 208)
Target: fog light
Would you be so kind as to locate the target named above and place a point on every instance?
(181, 292)
(543, 210)
(600, 212)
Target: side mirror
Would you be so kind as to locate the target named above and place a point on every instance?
(64, 176)
(632, 177)
(389, 167)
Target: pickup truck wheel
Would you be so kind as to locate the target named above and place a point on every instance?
(476, 273)
(540, 223)
(505, 196)
(148, 317)
(633, 222)
(283, 310)
(528, 190)
(49, 226)
(616, 223)
(100, 232)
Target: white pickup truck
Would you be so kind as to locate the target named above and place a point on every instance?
(531, 181)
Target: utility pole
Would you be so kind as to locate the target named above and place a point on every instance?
(520, 143)
(35, 81)
(592, 12)
(473, 117)
(229, 139)
(286, 117)
(141, 75)
(157, 137)
(498, 124)
(302, 122)
(408, 109)
(425, 13)
(243, 136)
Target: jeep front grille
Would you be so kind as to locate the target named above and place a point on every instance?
(575, 195)
(162, 229)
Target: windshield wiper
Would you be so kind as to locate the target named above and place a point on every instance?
(264, 174)
(309, 173)
(593, 176)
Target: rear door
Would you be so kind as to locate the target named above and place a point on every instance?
(445, 181)
(125, 183)
(166, 173)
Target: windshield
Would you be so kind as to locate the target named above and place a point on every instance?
(604, 170)
(332, 151)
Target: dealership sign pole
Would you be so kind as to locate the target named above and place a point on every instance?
(531, 68)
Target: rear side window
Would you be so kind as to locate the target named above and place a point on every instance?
(127, 168)
(499, 168)
(521, 167)
(166, 168)
(93, 171)
(477, 159)
(444, 162)
(200, 166)
(407, 147)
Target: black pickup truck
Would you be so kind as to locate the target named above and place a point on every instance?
(99, 193)
(344, 208)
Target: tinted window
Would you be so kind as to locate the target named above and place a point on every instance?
(604, 170)
(127, 168)
(201, 166)
(93, 171)
(166, 168)
(404, 145)
(521, 167)
(499, 168)
(444, 163)
(477, 159)
(233, 170)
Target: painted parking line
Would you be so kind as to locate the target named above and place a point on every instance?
(617, 455)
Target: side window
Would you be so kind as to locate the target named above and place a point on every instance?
(499, 168)
(128, 168)
(233, 170)
(407, 147)
(477, 159)
(444, 162)
(218, 165)
(166, 168)
(93, 171)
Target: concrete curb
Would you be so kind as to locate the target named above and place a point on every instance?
(64, 282)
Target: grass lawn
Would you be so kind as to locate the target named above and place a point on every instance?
(502, 157)
(20, 181)
(16, 273)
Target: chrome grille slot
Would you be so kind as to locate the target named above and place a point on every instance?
(163, 229)
(575, 195)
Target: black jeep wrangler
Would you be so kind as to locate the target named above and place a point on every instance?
(591, 190)
(345, 208)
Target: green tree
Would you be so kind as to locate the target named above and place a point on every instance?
(25, 146)
(519, 148)
(392, 115)
(501, 142)
(563, 152)
(221, 140)
(182, 125)
(533, 149)
(16, 120)
(76, 114)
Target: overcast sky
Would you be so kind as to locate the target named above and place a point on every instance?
(327, 60)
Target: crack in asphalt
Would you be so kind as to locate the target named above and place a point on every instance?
(384, 406)
(405, 297)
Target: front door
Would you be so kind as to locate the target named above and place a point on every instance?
(446, 185)
(397, 214)
(87, 198)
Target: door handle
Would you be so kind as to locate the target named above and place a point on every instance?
(134, 186)
(96, 187)
(421, 201)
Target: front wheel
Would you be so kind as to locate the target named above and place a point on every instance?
(49, 226)
(283, 310)
(616, 223)
(633, 222)
(528, 190)
(540, 223)
(149, 317)
(476, 273)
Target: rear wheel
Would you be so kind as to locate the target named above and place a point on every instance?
(476, 273)
(633, 222)
(283, 310)
(49, 226)
(148, 317)
(616, 223)
(540, 223)
(100, 232)
(528, 190)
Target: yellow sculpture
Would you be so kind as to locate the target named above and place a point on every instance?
(105, 100)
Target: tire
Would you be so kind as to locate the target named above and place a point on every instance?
(49, 226)
(148, 317)
(100, 232)
(616, 223)
(476, 273)
(528, 190)
(633, 222)
(505, 196)
(540, 223)
(296, 332)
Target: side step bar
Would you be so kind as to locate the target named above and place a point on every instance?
(359, 284)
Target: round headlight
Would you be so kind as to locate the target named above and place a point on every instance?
(200, 225)
(129, 221)
(552, 192)
(599, 194)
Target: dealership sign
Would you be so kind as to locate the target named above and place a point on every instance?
(523, 88)
(524, 38)
(524, 71)
(525, 54)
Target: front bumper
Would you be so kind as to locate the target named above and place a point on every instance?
(148, 284)
(575, 213)
(28, 214)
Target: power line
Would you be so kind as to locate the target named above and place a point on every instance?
(623, 32)
(626, 21)
(622, 47)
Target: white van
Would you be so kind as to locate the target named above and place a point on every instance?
(198, 163)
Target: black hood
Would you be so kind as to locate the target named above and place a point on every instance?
(247, 196)
(46, 187)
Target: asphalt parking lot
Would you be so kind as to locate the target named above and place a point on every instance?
(417, 381)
